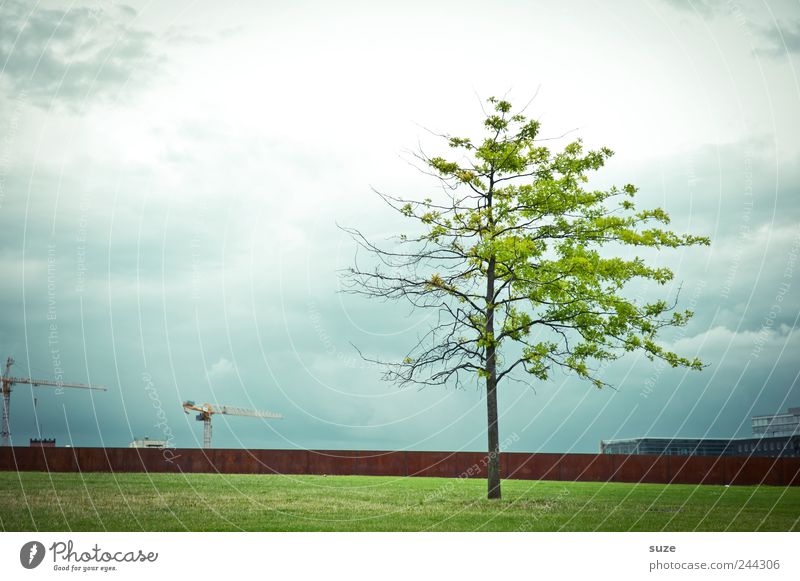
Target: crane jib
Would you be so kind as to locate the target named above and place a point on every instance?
(43, 382)
(207, 410)
(7, 385)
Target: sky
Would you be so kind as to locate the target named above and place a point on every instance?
(173, 177)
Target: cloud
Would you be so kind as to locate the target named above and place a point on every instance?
(749, 345)
(222, 369)
(206, 225)
(702, 7)
(781, 39)
(70, 56)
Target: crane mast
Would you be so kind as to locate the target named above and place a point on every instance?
(8, 384)
(206, 410)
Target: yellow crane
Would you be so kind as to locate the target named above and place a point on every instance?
(8, 384)
(206, 410)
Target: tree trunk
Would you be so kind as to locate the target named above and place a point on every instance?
(493, 465)
(494, 439)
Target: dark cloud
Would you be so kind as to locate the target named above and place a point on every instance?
(67, 57)
(781, 39)
(703, 7)
(199, 251)
(170, 289)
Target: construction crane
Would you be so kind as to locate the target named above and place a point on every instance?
(8, 384)
(206, 410)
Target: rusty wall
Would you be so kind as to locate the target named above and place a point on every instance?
(568, 467)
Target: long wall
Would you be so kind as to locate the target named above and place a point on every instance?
(570, 467)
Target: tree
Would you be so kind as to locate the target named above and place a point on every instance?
(523, 265)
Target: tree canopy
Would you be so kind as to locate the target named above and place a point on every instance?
(524, 264)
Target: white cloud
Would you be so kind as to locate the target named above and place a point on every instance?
(721, 345)
(222, 369)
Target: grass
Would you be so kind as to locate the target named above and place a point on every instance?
(211, 502)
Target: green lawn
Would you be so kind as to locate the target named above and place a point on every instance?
(166, 502)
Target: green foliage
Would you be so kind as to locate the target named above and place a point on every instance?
(524, 217)
(524, 263)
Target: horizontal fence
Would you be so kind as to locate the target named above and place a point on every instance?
(568, 467)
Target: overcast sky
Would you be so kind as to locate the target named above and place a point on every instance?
(172, 176)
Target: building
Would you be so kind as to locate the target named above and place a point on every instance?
(776, 435)
(667, 446)
(786, 424)
(784, 446)
(148, 443)
(42, 443)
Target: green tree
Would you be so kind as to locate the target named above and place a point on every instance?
(522, 262)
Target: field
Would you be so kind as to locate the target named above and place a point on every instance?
(210, 502)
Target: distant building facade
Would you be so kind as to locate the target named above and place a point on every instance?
(776, 425)
(148, 443)
(42, 443)
(785, 446)
(774, 436)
